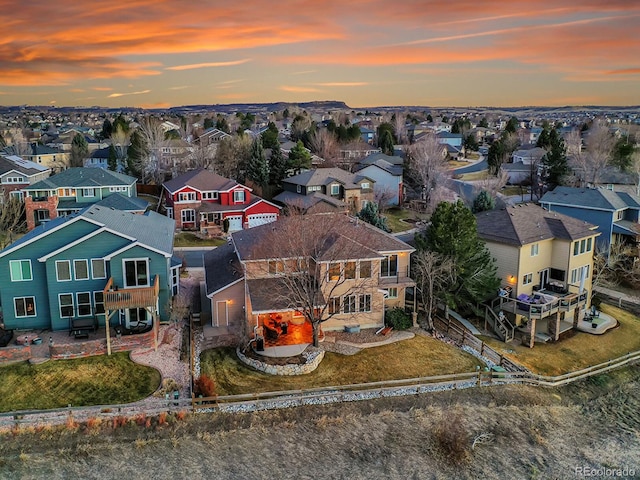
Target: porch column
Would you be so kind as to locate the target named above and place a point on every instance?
(554, 327)
(108, 333)
(532, 322)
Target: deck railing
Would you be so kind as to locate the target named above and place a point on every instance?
(116, 298)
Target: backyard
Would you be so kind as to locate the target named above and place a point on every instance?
(99, 380)
(402, 219)
(418, 357)
(580, 351)
(190, 239)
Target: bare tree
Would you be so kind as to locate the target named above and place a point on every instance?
(12, 219)
(383, 196)
(203, 155)
(635, 169)
(493, 184)
(433, 273)
(599, 151)
(325, 144)
(232, 157)
(19, 142)
(428, 164)
(152, 167)
(120, 142)
(400, 128)
(312, 263)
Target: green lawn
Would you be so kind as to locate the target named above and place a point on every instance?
(189, 239)
(470, 177)
(395, 217)
(580, 351)
(417, 357)
(99, 380)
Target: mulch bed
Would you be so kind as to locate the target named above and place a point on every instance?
(363, 336)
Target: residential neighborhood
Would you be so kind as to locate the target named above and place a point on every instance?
(475, 249)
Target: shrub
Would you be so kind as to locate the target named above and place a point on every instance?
(398, 319)
(205, 386)
(452, 439)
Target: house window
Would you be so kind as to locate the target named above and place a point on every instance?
(238, 196)
(188, 216)
(582, 246)
(365, 303)
(314, 188)
(392, 292)
(25, 306)
(335, 189)
(389, 266)
(334, 271)
(576, 274)
(88, 192)
(209, 195)
(136, 273)
(175, 281)
(349, 304)
(534, 250)
(84, 304)
(98, 301)
(66, 192)
(20, 270)
(170, 212)
(365, 185)
(619, 214)
(187, 197)
(350, 270)
(527, 279)
(98, 269)
(41, 215)
(81, 269)
(117, 189)
(298, 189)
(276, 267)
(334, 305)
(365, 268)
(65, 300)
(63, 270)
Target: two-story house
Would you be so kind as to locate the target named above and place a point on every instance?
(88, 266)
(327, 189)
(260, 283)
(616, 214)
(387, 173)
(205, 201)
(17, 173)
(545, 263)
(74, 189)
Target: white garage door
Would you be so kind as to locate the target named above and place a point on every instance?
(235, 223)
(261, 219)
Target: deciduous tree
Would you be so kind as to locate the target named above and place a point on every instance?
(434, 274)
(428, 165)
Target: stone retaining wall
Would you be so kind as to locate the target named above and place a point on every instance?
(312, 354)
(14, 354)
(90, 348)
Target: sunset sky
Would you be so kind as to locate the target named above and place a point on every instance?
(156, 53)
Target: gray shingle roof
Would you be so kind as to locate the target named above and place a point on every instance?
(222, 268)
(370, 239)
(270, 295)
(374, 157)
(150, 229)
(591, 198)
(528, 223)
(84, 177)
(200, 179)
(325, 176)
(307, 201)
(124, 203)
(395, 170)
(13, 162)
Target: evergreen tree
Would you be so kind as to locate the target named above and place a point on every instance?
(277, 166)
(371, 215)
(512, 125)
(79, 151)
(385, 142)
(208, 123)
(453, 233)
(496, 156)
(299, 158)
(258, 169)
(555, 160)
(270, 136)
(483, 202)
(120, 122)
(484, 123)
(107, 129)
(222, 124)
(136, 155)
(112, 161)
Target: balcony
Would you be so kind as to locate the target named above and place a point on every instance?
(136, 297)
(401, 277)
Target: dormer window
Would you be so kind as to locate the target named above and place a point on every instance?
(238, 196)
(335, 189)
(209, 195)
(365, 186)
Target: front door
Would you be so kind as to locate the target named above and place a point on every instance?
(544, 277)
(221, 314)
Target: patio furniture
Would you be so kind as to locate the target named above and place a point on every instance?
(270, 333)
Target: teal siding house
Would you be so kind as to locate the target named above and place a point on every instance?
(85, 267)
(73, 189)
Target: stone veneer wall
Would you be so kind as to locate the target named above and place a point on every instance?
(89, 348)
(14, 354)
(312, 354)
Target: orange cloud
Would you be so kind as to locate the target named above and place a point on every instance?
(116, 95)
(294, 89)
(624, 71)
(342, 84)
(209, 64)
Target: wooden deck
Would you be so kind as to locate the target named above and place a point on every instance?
(139, 297)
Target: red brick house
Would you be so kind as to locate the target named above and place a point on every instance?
(202, 200)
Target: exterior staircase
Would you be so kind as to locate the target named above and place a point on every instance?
(501, 324)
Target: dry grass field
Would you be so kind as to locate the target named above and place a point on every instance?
(580, 351)
(515, 432)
